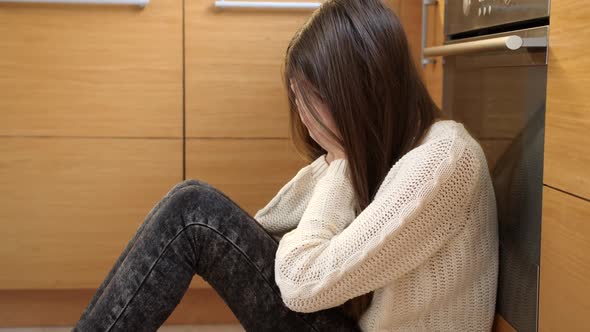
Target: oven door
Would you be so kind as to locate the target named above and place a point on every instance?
(499, 95)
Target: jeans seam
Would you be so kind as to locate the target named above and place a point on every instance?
(166, 248)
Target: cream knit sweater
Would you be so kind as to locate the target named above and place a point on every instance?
(427, 244)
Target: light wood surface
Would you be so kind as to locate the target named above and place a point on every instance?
(64, 307)
(564, 295)
(433, 73)
(567, 140)
(78, 70)
(243, 96)
(69, 206)
(393, 4)
(234, 63)
(249, 171)
(501, 325)
(410, 13)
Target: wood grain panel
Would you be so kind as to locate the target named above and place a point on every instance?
(249, 171)
(234, 70)
(564, 296)
(64, 307)
(567, 140)
(501, 325)
(393, 4)
(433, 73)
(410, 13)
(69, 206)
(77, 70)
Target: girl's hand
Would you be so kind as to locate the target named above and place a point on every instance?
(334, 149)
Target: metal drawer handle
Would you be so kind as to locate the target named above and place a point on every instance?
(140, 3)
(267, 4)
(508, 43)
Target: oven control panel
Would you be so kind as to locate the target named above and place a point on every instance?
(466, 15)
(483, 7)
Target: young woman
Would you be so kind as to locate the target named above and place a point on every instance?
(391, 227)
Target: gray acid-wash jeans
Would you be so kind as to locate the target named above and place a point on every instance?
(197, 229)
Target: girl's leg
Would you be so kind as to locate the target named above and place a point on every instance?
(198, 229)
(131, 243)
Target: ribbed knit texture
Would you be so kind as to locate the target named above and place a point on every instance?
(427, 244)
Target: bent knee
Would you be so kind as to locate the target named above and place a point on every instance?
(188, 183)
(194, 193)
(194, 182)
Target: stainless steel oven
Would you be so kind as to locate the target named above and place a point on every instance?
(494, 82)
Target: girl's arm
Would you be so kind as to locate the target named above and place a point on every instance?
(284, 211)
(333, 256)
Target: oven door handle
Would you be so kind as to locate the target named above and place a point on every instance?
(507, 43)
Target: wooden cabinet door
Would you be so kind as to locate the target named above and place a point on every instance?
(234, 60)
(80, 70)
(565, 265)
(564, 294)
(249, 171)
(69, 206)
(90, 134)
(567, 136)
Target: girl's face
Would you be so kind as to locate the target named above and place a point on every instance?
(313, 127)
(303, 111)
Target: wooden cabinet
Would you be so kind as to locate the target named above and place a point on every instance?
(69, 206)
(564, 296)
(567, 140)
(234, 61)
(76, 70)
(565, 266)
(91, 137)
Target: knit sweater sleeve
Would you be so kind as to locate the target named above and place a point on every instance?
(333, 256)
(285, 209)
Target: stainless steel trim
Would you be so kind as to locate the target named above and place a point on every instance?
(266, 4)
(140, 3)
(507, 43)
(425, 4)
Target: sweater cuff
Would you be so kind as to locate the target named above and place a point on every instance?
(319, 167)
(337, 167)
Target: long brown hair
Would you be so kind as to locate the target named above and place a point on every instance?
(354, 56)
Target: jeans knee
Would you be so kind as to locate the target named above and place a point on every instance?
(192, 182)
(187, 183)
(196, 182)
(195, 193)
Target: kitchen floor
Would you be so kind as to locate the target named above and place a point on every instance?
(171, 328)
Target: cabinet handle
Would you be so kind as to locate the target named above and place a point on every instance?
(508, 43)
(267, 4)
(425, 4)
(140, 3)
